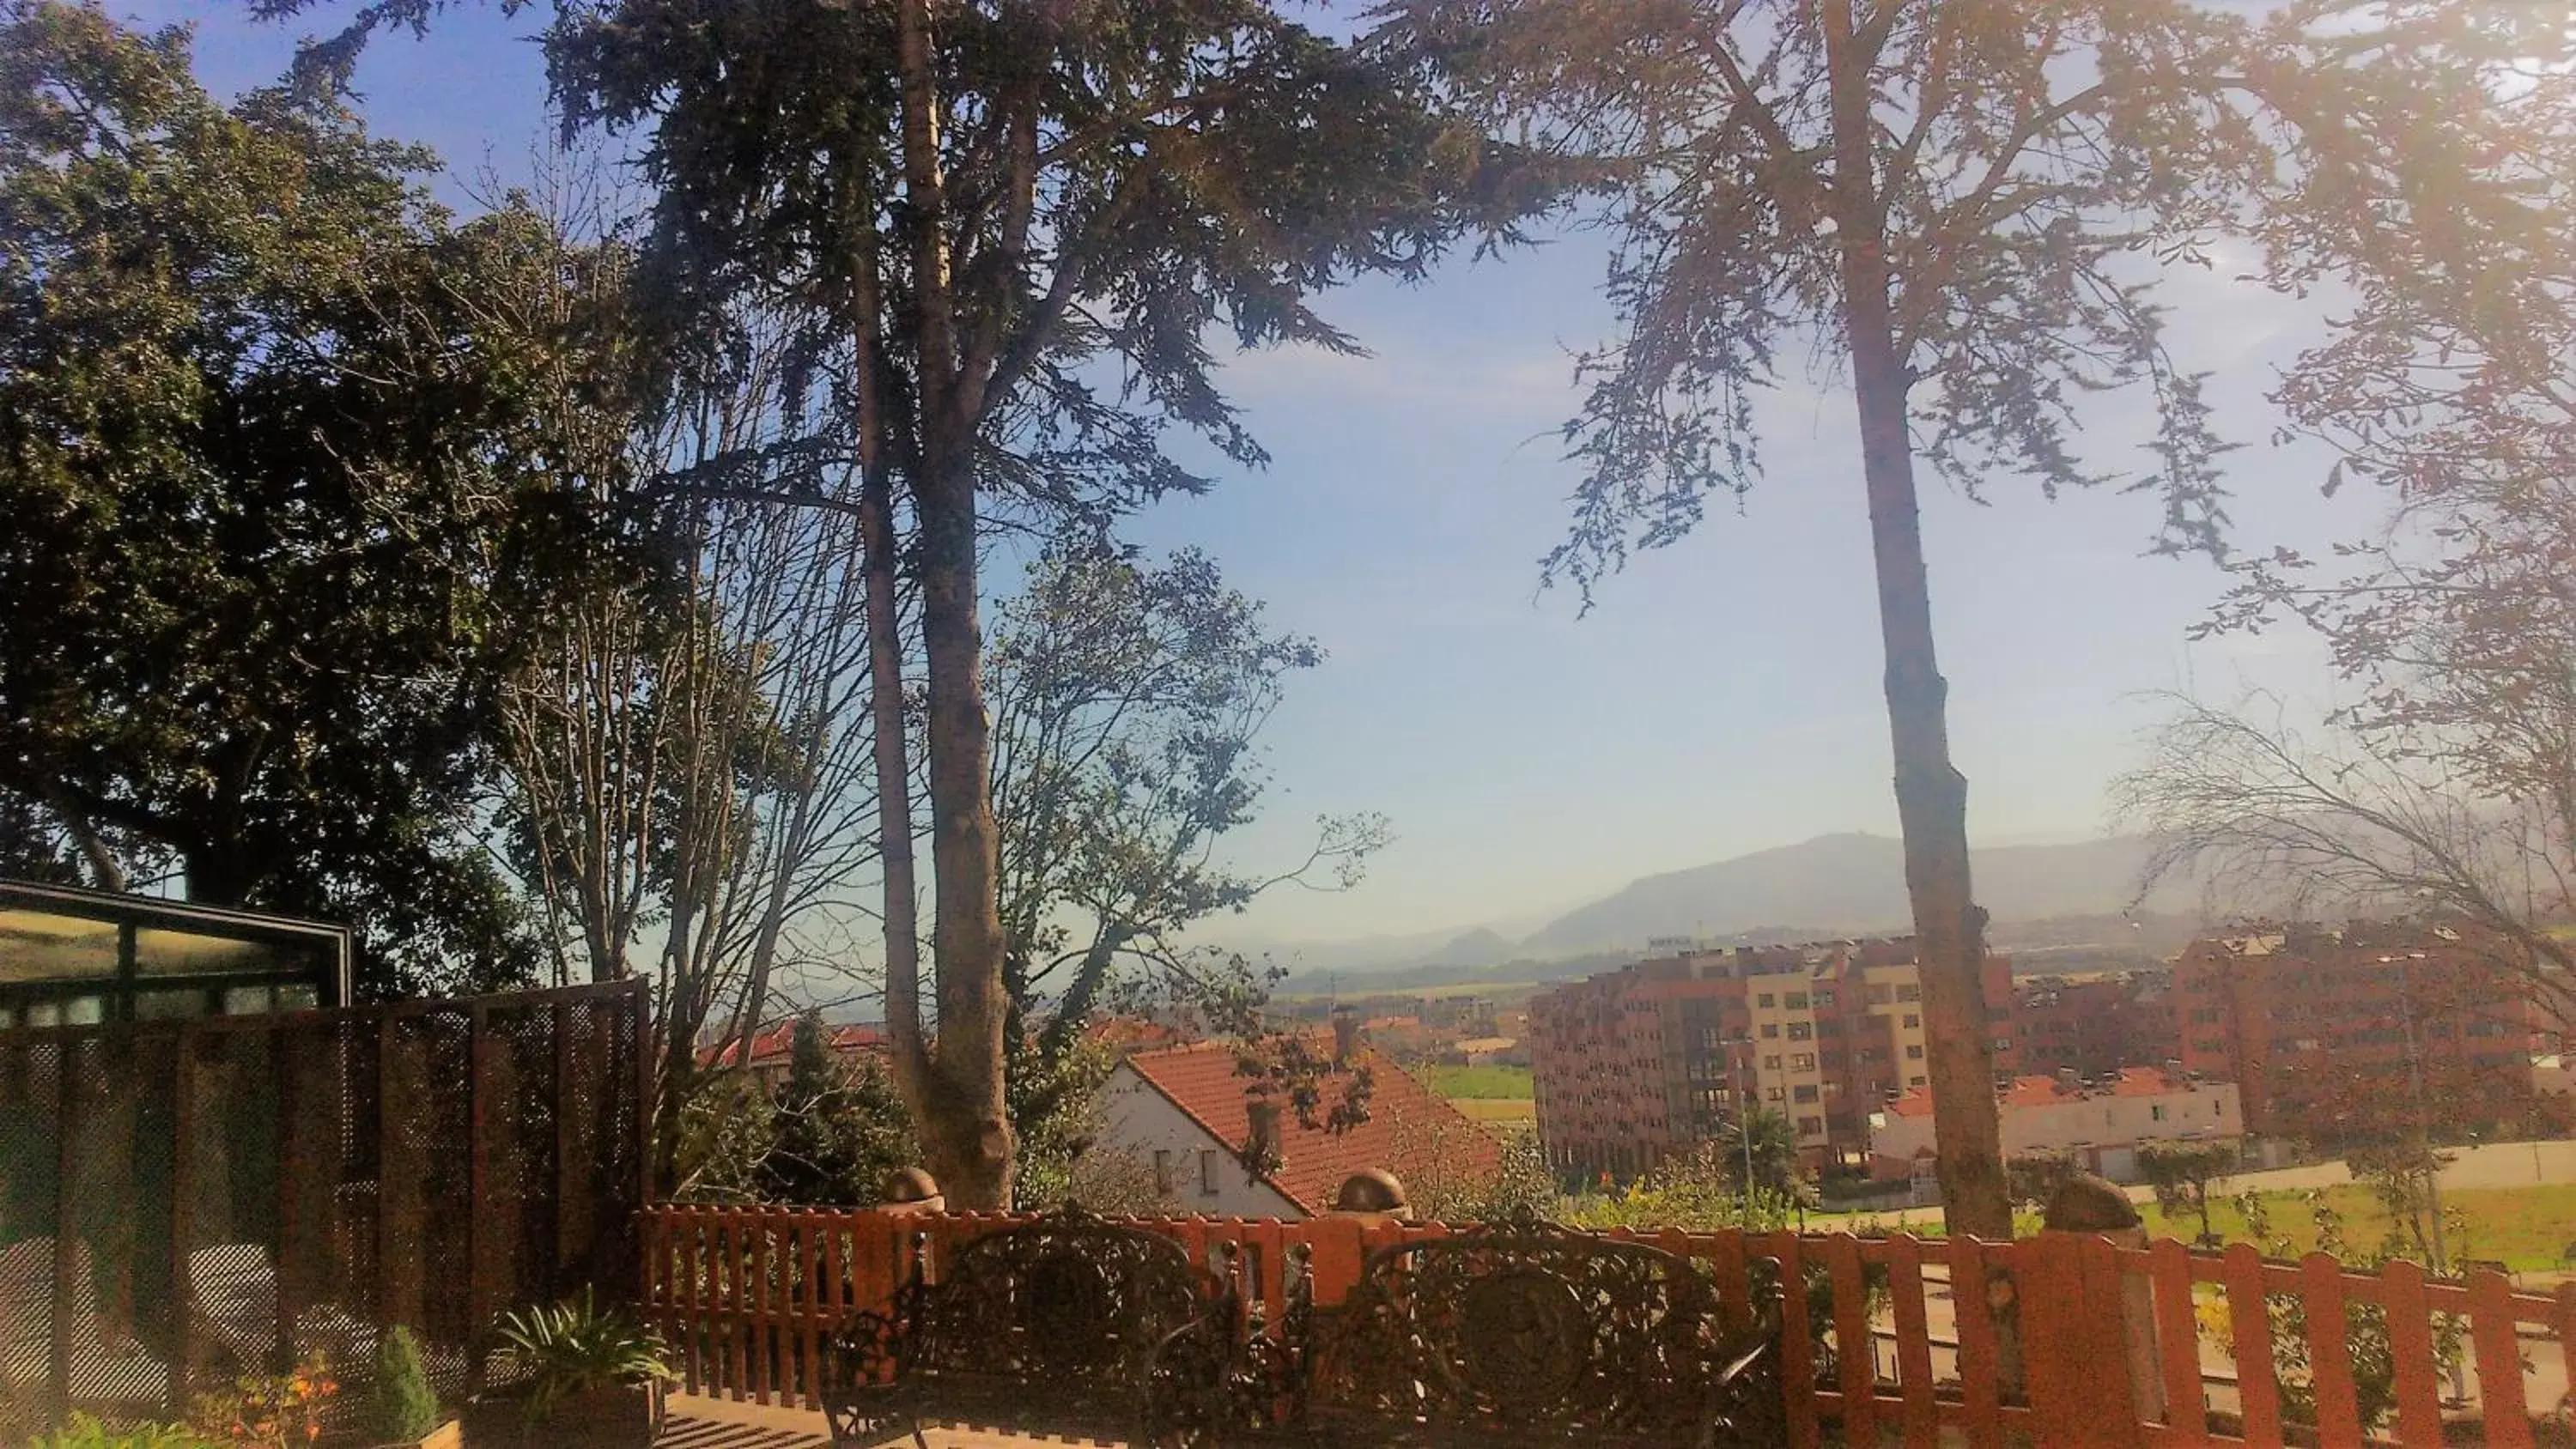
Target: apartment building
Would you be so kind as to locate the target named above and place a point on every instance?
(1634, 1065)
(2337, 1033)
(2095, 1023)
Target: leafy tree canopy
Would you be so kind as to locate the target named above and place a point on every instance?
(279, 447)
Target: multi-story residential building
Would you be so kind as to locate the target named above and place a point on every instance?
(2098, 1122)
(1634, 1065)
(2095, 1023)
(2332, 1034)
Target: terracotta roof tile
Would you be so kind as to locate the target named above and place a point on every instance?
(1411, 1132)
(774, 1044)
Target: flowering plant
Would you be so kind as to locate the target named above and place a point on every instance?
(282, 1411)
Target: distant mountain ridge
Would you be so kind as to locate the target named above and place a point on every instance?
(1853, 884)
(1848, 884)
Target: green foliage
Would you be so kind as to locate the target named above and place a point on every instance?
(2034, 1177)
(281, 455)
(1128, 698)
(401, 1408)
(1526, 1186)
(2365, 1327)
(1489, 1083)
(838, 1127)
(84, 1431)
(1774, 1156)
(1699, 1191)
(2182, 1173)
(575, 1347)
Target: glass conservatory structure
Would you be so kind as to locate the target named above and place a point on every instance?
(71, 957)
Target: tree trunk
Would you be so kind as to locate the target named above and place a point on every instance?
(1931, 794)
(969, 1137)
(959, 1105)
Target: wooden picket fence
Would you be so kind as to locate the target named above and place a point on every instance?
(2097, 1344)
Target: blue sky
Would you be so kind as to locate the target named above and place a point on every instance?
(1723, 696)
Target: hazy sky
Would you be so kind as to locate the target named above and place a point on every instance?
(1722, 697)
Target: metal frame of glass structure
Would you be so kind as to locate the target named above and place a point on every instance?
(74, 957)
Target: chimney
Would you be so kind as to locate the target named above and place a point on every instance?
(1263, 1114)
(1346, 1034)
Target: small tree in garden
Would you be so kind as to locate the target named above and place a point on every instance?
(2182, 1173)
(2034, 1177)
(401, 1408)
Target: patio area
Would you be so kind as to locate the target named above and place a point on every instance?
(697, 1422)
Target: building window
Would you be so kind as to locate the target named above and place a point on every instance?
(1777, 1095)
(1878, 996)
(2156, 1112)
(1824, 1000)
(1163, 1183)
(1811, 1126)
(2003, 1043)
(1766, 1001)
(1909, 993)
(1771, 1029)
(1797, 1001)
(1914, 1053)
(1771, 1064)
(1914, 1081)
(1802, 1031)
(1913, 1022)
(1804, 1092)
(1207, 1171)
(1803, 1062)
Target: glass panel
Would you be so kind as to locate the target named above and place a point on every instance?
(44, 1013)
(248, 1000)
(84, 1011)
(47, 946)
(297, 998)
(169, 1004)
(186, 953)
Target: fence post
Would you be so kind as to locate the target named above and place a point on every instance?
(2081, 1314)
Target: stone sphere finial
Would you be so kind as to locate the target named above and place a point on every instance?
(2085, 1203)
(1374, 1191)
(910, 1185)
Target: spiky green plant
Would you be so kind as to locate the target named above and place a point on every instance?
(575, 1347)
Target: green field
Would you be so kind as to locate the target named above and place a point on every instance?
(1497, 1109)
(2525, 1228)
(1485, 1083)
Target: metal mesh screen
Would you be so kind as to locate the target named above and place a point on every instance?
(183, 1203)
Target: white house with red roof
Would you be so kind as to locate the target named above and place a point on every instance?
(1184, 1110)
(2099, 1123)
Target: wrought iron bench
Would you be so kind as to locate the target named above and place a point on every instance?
(1519, 1333)
(1062, 1326)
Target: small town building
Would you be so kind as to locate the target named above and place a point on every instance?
(2100, 1122)
(1186, 1111)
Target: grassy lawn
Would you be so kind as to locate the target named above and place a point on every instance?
(1497, 1109)
(2524, 1228)
(1494, 1083)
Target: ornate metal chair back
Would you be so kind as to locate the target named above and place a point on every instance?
(1067, 1298)
(1522, 1331)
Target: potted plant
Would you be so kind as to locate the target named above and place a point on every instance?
(581, 1375)
(402, 1409)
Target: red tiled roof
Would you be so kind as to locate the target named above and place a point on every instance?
(774, 1044)
(1411, 1131)
(2040, 1091)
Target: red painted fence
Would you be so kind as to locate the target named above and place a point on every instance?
(2107, 1345)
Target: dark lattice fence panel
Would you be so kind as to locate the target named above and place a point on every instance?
(182, 1203)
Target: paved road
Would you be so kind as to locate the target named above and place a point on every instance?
(2496, 1164)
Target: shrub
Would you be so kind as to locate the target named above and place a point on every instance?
(282, 1411)
(400, 1407)
(576, 1347)
(84, 1432)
